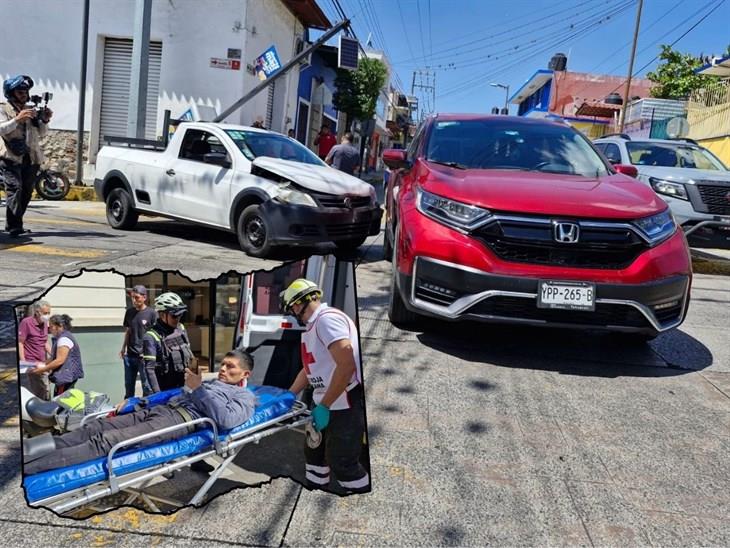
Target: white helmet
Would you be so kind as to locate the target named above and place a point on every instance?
(170, 302)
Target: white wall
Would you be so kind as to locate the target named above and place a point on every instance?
(191, 33)
(93, 299)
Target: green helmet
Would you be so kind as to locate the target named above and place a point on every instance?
(300, 290)
(170, 302)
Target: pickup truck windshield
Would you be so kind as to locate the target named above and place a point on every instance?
(671, 155)
(501, 144)
(254, 144)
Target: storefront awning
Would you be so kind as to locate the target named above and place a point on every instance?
(600, 110)
(309, 13)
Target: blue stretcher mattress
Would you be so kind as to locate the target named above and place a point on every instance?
(271, 403)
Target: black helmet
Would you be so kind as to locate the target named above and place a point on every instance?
(21, 81)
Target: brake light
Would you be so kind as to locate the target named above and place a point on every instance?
(286, 325)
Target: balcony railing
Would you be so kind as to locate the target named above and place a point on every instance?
(708, 111)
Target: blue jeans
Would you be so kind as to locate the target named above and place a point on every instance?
(132, 365)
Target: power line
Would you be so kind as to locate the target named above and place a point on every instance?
(720, 3)
(497, 71)
(420, 27)
(445, 52)
(520, 48)
(405, 30)
(557, 42)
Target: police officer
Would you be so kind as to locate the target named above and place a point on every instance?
(21, 129)
(165, 346)
(331, 365)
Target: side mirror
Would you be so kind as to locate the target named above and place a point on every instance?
(396, 158)
(631, 171)
(218, 159)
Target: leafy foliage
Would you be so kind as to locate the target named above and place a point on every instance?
(675, 77)
(357, 91)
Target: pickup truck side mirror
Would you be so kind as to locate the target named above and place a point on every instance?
(396, 158)
(217, 158)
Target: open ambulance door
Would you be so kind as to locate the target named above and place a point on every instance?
(272, 337)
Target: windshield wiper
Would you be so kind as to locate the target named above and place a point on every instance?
(456, 165)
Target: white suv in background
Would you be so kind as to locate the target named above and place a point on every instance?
(694, 183)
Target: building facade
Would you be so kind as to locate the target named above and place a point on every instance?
(198, 55)
(576, 97)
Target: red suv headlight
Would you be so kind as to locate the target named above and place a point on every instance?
(450, 212)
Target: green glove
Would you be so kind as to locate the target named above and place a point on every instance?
(320, 417)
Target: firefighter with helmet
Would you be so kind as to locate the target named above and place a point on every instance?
(330, 353)
(165, 347)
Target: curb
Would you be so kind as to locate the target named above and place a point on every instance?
(709, 263)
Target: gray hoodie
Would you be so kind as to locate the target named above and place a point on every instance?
(228, 405)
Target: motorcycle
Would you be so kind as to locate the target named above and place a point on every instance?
(52, 185)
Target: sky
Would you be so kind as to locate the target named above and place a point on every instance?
(466, 45)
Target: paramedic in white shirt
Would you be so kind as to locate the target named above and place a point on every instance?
(330, 354)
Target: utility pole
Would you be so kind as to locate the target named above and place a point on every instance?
(428, 87)
(136, 115)
(631, 68)
(82, 96)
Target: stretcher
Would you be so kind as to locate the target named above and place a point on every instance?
(132, 470)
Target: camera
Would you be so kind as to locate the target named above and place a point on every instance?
(40, 104)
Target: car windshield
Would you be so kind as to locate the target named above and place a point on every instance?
(257, 143)
(502, 144)
(672, 155)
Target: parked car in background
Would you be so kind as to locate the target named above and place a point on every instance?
(694, 183)
(265, 187)
(510, 219)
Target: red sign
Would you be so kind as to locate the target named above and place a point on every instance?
(230, 64)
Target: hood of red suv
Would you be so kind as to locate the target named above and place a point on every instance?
(609, 197)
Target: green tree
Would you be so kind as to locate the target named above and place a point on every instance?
(358, 90)
(675, 78)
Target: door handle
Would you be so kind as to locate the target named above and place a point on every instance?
(170, 172)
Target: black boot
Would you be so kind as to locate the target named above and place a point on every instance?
(35, 448)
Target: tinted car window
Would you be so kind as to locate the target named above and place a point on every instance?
(503, 144)
(197, 143)
(671, 155)
(255, 143)
(613, 153)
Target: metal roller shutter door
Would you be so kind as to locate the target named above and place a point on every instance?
(115, 87)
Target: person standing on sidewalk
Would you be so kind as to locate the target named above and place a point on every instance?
(34, 346)
(137, 320)
(331, 365)
(65, 365)
(21, 129)
(344, 156)
(325, 141)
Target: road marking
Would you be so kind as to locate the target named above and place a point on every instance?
(45, 220)
(41, 249)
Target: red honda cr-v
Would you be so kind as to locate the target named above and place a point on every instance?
(510, 219)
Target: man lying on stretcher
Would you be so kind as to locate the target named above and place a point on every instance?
(225, 400)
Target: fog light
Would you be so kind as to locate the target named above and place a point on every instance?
(439, 289)
(663, 306)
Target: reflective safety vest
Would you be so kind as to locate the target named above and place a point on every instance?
(176, 351)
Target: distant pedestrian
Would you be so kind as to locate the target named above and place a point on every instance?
(258, 123)
(34, 346)
(325, 141)
(290, 133)
(345, 156)
(137, 320)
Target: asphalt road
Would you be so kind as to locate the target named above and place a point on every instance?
(479, 434)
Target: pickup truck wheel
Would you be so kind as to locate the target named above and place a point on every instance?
(254, 234)
(120, 212)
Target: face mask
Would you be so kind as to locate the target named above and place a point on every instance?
(45, 317)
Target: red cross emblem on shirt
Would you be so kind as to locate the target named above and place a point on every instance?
(307, 358)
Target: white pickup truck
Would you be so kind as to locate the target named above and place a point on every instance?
(267, 188)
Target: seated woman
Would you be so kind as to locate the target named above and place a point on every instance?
(65, 364)
(226, 401)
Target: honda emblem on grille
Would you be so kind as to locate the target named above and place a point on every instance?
(347, 202)
(566, 233)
